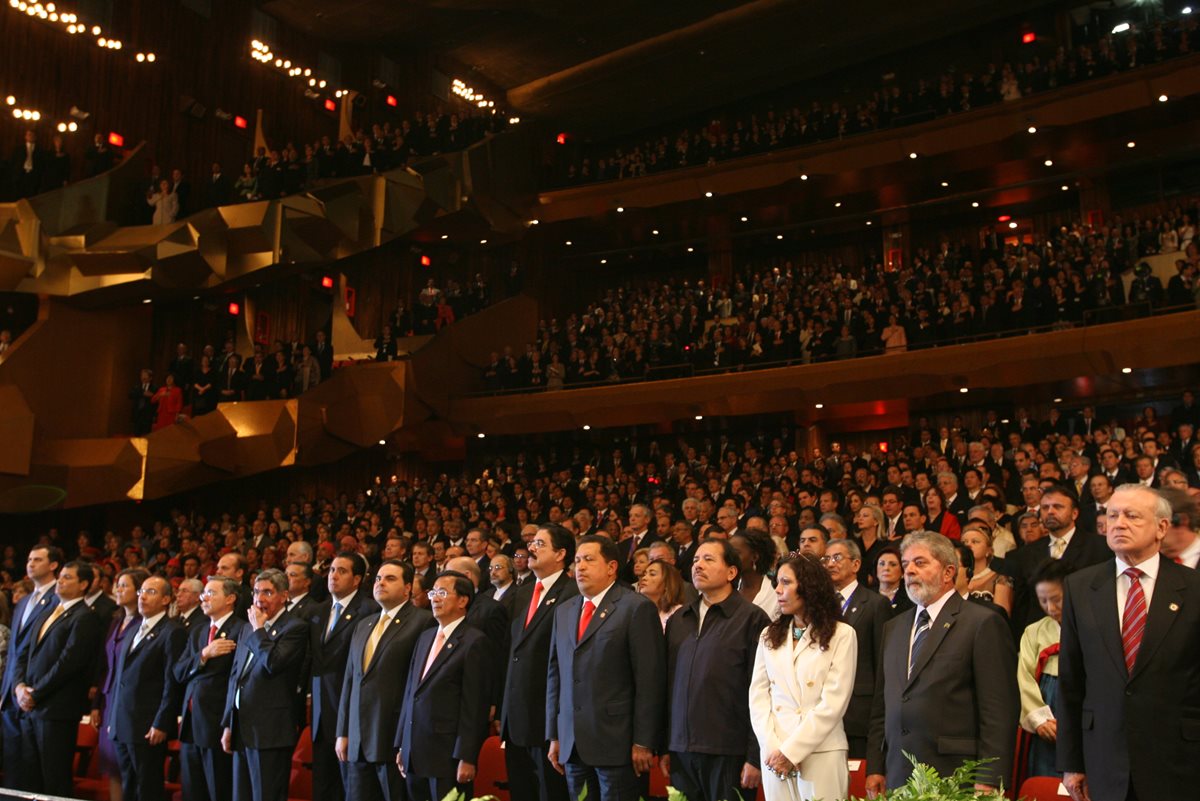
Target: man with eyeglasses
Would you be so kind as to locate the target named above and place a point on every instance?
(376, 673)
(443, 721)
(203, 671)
(523, 714)
(144, 717)
(500, 577)
(262, 720)
(866, 611)
(331, 630)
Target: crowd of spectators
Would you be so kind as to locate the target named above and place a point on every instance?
(817, 309)
(789, 122)
(33, 167)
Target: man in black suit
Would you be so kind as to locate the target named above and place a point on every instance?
(220, 188)
(493, 620)
(685, 545)
(52, 681)
(376, 673)
(27, 166)
(262, 720)
(187, 604)
(100, 602)
(523, 714)
(948, 685)
(710, 663)
(322, 351)
(231, 386)
(331, 633)
(41, 567)
(143, 718)
(639, 521)
(301, 603)
(476, 547)
(203, 671)
(143, 406)
(1129, 666)
(182, 189)
(233, 566)
(606, 683)
(866, 611)
(443, 719)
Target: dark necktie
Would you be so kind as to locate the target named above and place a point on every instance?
(924, 624)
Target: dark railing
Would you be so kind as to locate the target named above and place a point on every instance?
(1111, 314)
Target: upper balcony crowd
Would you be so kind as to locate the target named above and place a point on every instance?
(790, 121)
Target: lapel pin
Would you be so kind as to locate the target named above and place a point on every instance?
(854, 609)
(602, 615)
(946, 625)
(273, 632)
(449, 645)
(550, 601)
(1174, 607)
(222, 635)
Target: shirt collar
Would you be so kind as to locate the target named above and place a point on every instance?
(935, 608)
(848, 590)
(1149, 567)
(549, 580)
(385, 614)
(220, 622)
(596, 599)
(68, 604)
(150, 622)
(449, 628)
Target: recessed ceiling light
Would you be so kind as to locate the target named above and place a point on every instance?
(975, 204)
(481, 435)
(690, 250)
(654, 232)
(383, 442)
(568, 243)
(1064, 187)
(604, 261)
(620, 209)
(1162, 98)
(445, 236)
(1012, 225)
(1126, 370)
(837, 205)
(963, 390)
(699, 417)
(803, 177)
(745, 219)
(1058, 400)
(1131, 145)
(708, 194)
(912, 155)
(945, 184)
(1049, 162)
(868, 222)
(587, 428)
(1032, 129)
(147, 300)
(819, 405)
(483, 241)
(533, 222)
(779, 236)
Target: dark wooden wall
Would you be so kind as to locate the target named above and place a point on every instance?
(207, 59)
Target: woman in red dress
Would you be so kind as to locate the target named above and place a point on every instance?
(170, 403)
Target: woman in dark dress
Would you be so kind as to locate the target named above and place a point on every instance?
(124, 625)
(204, 394)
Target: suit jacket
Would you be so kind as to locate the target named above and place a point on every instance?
(1084, 549)
(493, 619)
(620, 669)
(19, 641)
(329, 655)
(265, 714)
(867, 613)
(309, 608)
(369, 711)
(105, 609)
(798, 695)
(523, 713)
(626, 571)
(60, 666)
(205, 684)
(443, 718)
(1140, 729)
(959, 703)
(507, 601)
(684, 558)
(144, 685)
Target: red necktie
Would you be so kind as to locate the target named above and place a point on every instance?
(1133, 625)
(212, 633)
(1179, 560)
(533, 605)
(588, 609)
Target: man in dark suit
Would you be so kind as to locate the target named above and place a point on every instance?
(100, 602)
(143, 718)
(205, 769)
(187, 604)
(41, 566)
(330, 646)
(262, 720)
(52, 681)
(231, 386)
(220, 188)
(710, 663)
(487, 615)
(606, 683)
(1129, 666)
(143, 406)
(948, 685)
(27, 166)
(322, 351)
(866, 611)
(301, 604)
(639, 521)
(443, 721)
(376, 673)
(523, 714)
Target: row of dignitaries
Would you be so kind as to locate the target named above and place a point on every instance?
(586, 684)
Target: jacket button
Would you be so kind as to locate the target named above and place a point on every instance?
(904, 698)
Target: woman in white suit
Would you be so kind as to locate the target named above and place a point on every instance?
(803, 679)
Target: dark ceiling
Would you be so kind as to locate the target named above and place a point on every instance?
(617, 65)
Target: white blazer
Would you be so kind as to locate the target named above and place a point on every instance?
(799, 695)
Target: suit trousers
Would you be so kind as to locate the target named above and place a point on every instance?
(858, 747)
(10, 726)
(614, 783)
(205, 773)
(435, 788)
(262, 774)
(373, 781)
(531, 777)
(48, 751)
(142, 770)
(708, 777)
(326, 771)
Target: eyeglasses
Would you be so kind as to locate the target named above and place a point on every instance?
(437, 594)
(148, 591)
(495, 568)
(832, 559)
(267, 593)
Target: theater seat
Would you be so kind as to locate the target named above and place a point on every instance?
(1042, 788)
(88, 782)
(300, 780)
(658, 782)
(858, 777)
(491, 776)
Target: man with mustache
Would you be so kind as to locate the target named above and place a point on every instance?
(949, 678)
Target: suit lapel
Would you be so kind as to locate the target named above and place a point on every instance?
(349, 614)
(151, 635)
(938, 631)
(1164, 608)
(392, 629)
(1102, 606)
(545, 608)
(601, 614)
(444, 655)
(64, 616)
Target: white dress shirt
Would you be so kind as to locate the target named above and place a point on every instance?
(1149, 578)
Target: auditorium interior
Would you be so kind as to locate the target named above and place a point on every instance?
(347, 270)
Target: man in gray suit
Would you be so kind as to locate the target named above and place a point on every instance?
(949, 678)
(606, 684)
(376, 672)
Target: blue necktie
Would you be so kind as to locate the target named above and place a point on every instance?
(923, 627)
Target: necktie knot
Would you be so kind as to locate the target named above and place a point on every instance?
(1134, 573)
(923, 619)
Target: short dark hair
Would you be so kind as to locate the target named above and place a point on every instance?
(405, 568)
(84, 571)
(608, 548)
(728, 552)
(359, 564)
(562, 540)
(1063, 490)
(1052, 570)
(53, 554)
(423, 545)
(462, 585)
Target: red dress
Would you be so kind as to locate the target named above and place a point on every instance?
(170, 404)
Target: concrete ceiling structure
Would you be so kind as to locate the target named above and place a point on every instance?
(619, 65)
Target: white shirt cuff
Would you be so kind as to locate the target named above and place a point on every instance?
(1037, 717)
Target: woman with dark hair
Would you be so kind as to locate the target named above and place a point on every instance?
(660, 582)
(803, 679)
(1037, 673)
(757, 552)
(124, 625)
(940, 519)
(890, 575)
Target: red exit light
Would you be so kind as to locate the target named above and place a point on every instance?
(426, 261)
(330, 105)
(392, 101)
(1029, 38)
(240, 122)
(116, 140)
(1004, 218)
(327, 281)
(235, 309)
(561, 139)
